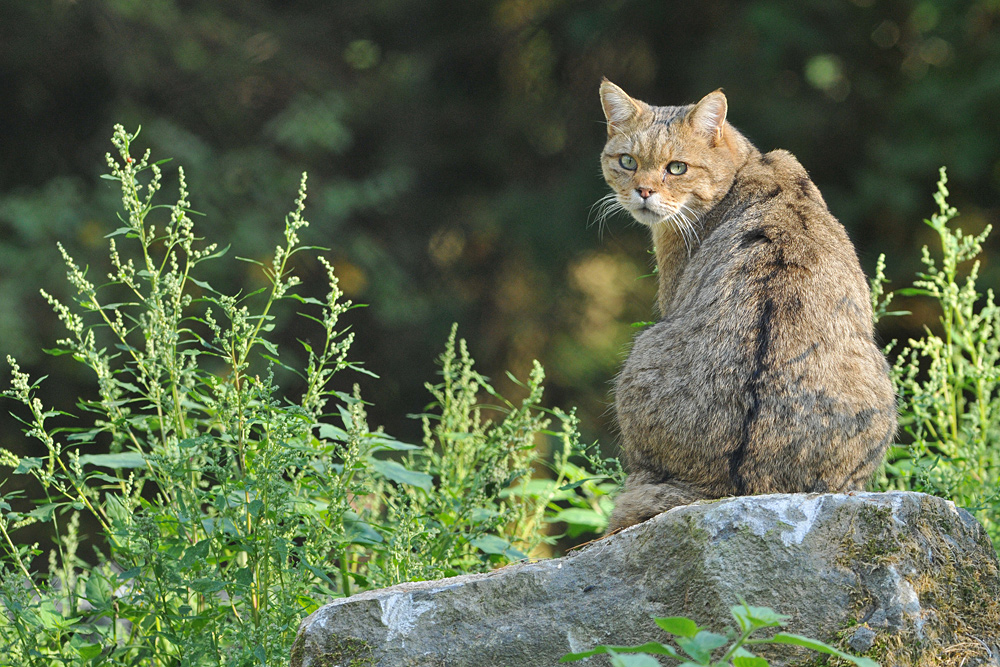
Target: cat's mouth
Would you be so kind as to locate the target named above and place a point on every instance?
(646, 215)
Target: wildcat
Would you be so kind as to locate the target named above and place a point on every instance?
(762, 374)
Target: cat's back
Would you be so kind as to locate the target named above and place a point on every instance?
(774, 250)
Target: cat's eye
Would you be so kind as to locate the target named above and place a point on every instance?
(677, 168)
(628, 162)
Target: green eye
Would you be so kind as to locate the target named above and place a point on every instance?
(628, 162)
(677, 168)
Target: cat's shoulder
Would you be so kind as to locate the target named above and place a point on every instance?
(779, 217)
(780, 172)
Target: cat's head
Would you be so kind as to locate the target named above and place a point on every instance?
(668, 164)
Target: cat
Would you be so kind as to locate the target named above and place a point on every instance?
(762, 374)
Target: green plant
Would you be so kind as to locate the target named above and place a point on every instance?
(470, 498)
(217, 500)
(226, 508)
(948, 381)
(699, 646)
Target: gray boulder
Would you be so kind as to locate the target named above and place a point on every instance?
(905, 578)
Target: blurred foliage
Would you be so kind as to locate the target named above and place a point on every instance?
(453, 147)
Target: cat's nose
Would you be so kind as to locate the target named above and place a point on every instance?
(645, 193)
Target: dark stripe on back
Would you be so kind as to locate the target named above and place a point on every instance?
(763, 343)
(756, 235)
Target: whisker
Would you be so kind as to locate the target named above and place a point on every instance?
(684, 220)
(606, 206)
(692, 218)
(681, 221)
(676, 221)
(601, 203)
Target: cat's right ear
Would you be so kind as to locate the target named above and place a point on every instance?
(709, 115)
(619, 108)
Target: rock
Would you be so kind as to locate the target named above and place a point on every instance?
(907, 577)
(861, 640)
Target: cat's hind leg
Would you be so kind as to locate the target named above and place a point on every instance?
(643, 498)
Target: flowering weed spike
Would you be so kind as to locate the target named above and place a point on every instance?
(948, 380)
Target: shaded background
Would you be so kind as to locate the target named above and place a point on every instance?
(452, 149)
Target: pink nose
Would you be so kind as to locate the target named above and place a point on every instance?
(644, 192)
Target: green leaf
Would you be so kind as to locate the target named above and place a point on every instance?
(678, 625)
(196, 553)
(383, 442)
(580, 517)
(197, 441)
(820, 647)
(85, 649)
(480, 514)
(912, 291)
(743, 661)
(98, 590)
(202, 284)
(120, 230)
(330, 432)
(397, 472)
(750, 618)
(318, 572)
(115, 461)
(84, 435)
(207, 586)
(700, 647)
(358, 368)
(43, 513)
(268, 345)
(307, 299)
(244, 577)
(27, 463)
(345, 416)
(493, 544)
(255, 507)
(217, 253)
(580, 482)
(633, 660)
(250, 261)
(650, 647)
(55, 351)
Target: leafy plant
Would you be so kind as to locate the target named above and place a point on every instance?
(948, 381)
(227, 508)
(218, 502)
(470, 497)
(701, 647)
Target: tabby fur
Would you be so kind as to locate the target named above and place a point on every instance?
(762, 374)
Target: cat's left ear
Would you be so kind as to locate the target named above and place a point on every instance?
(709, 115)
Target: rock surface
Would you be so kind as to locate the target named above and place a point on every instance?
(903, 577)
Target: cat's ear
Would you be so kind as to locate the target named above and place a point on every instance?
(709, 115)
(619, 108)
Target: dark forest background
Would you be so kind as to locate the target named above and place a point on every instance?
(452, 149)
